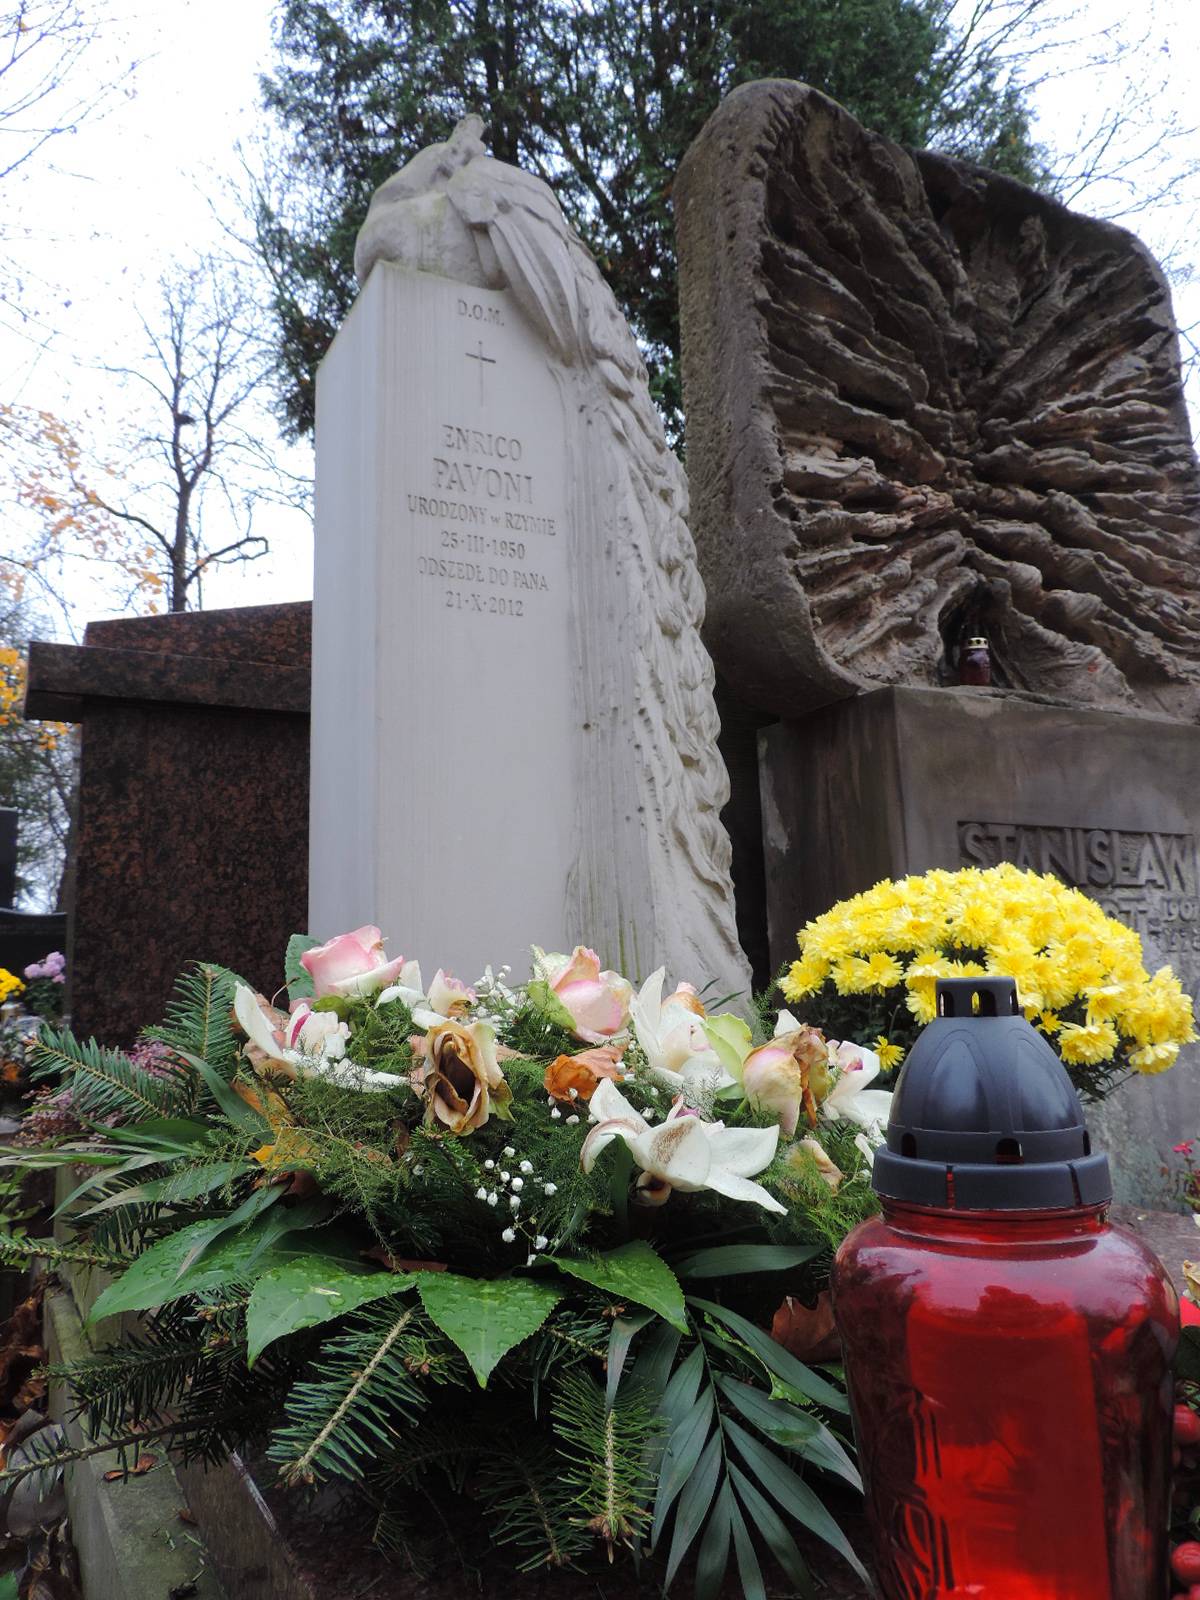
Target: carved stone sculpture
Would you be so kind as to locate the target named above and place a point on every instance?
(925, 401)
(635, 821)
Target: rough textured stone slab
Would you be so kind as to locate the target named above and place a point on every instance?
(902, 780)
(514, 735)
(924, 401)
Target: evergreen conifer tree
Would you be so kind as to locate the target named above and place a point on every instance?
(602, 101)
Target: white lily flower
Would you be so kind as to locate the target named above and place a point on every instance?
(671, 1033)
(850, 1099)
(683, 1152)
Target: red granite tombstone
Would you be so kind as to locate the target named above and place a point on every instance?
(191, 837)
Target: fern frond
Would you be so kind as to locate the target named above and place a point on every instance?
(199, 1017)
(359, 1396)
(105, 1083)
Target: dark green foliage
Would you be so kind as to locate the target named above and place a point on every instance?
(604, 1451)
(532, 1507)
(365, 1387)
(104, 1083)
(199, 1017)
(602, 101)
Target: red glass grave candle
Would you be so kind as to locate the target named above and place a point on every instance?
(1008, 1350)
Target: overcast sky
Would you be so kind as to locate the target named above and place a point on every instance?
(100, 214)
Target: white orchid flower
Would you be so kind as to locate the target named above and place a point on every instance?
(447, 1001)
(850, 1099)
(863, 1144)
(407, 988)
(671, 1032)
(683, 1152)
(315, 1048)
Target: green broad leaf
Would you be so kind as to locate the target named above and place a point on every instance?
(63, 1156)
(299, 982)
(110, 1170)
(694, 1503)
(680, 1393)
(486, 1317)
(749, 1570)
(652, 1365)
(189, 1184)
(242, 1116)
(179, 1134)
(251, 1208)
(735, 1260)
(795, 1430)
(732, 1040)
(154, 1279)
(713, 1556)
(624, 1331)
(634, 1272)
(792, 1493)
(775, 1358)
(684, 1448)
(309, 1290)
(770, 1527)
(543, 997)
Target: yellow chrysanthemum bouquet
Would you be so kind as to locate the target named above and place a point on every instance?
(869, 966)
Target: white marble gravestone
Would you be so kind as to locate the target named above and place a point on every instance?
(513, 731)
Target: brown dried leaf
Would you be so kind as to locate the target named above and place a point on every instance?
(400, 1263)
(807, 1332)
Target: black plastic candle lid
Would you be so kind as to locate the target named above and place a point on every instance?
(985, 1117)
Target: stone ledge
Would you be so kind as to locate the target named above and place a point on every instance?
(131, 1543)
(63, 676)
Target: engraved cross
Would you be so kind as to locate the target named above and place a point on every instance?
(478, 355)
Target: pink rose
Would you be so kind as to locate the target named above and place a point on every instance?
(788, 1076)
(316, 1033)
(351, 964)
(597, 1002)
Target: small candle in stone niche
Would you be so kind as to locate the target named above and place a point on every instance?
(975, 663)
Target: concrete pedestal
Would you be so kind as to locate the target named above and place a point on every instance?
(902, 780)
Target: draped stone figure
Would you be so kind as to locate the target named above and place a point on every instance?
(648, 880)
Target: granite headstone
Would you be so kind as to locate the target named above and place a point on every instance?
(191, 826)
(9, 818)
(514, 735)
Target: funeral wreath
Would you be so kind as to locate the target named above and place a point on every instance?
(499, 1261)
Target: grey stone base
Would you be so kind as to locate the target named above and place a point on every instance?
(902, 780)
(132, 1544)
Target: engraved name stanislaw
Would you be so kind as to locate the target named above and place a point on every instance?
(1148, 880)
(1088, 858)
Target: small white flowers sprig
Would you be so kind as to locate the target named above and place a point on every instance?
(516, 1181)
(495, 1001)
